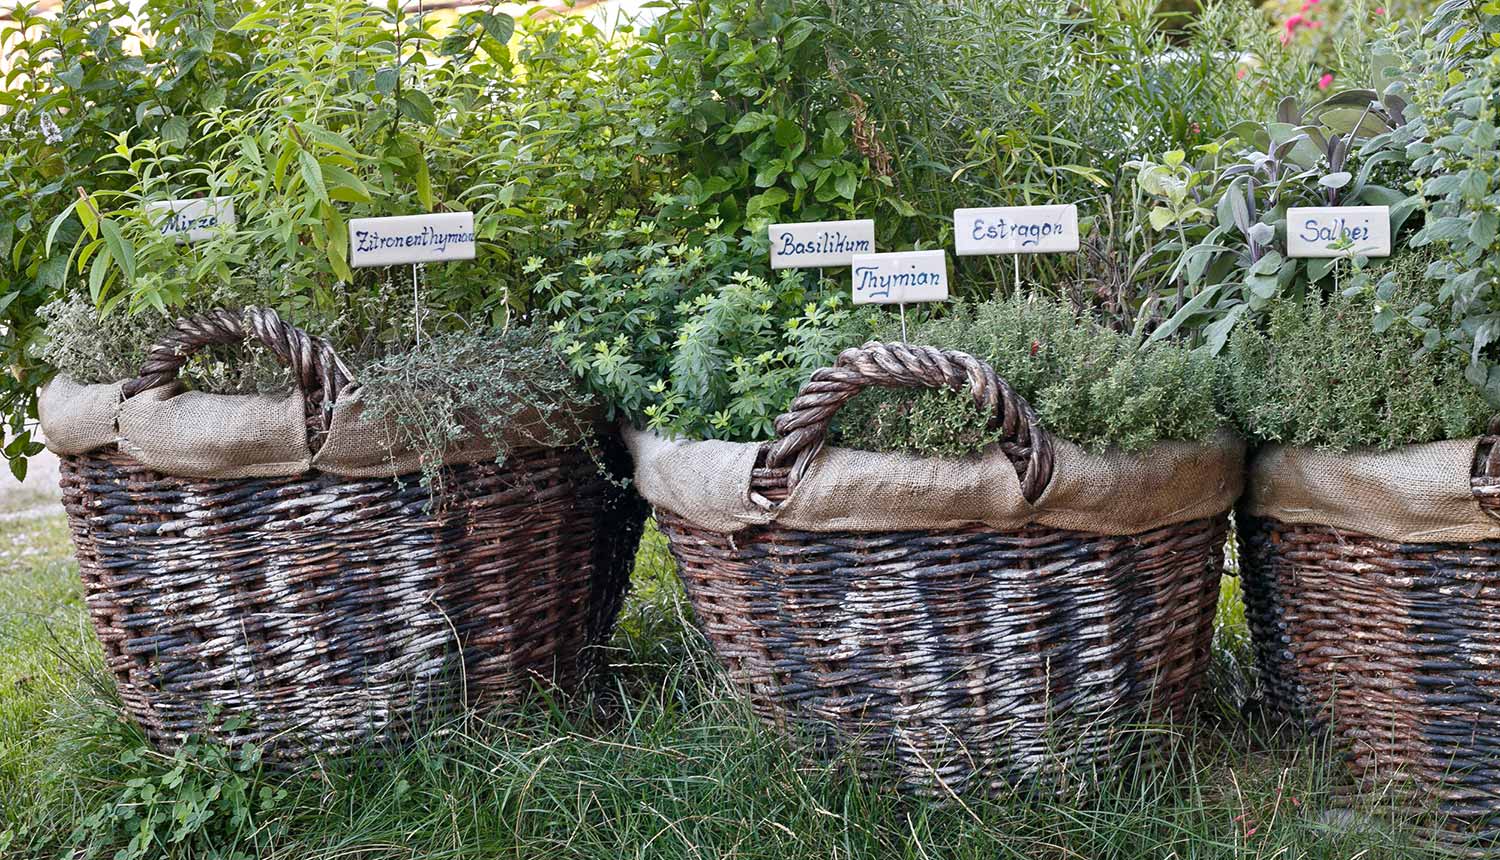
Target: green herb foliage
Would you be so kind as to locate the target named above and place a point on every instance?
(79, 78)
(676, 337)
(1316, 377)
(1089, 384)
(1222, 214)
(1452, 146)
(509, 387)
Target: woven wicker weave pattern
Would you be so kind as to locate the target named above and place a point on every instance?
(1394, 649)
(332, 611)
(980, 659)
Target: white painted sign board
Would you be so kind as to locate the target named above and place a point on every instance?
(1315, 231)
(433, 238)
(815, 244)
(1016, 230)
(900, 278)
(192, 220)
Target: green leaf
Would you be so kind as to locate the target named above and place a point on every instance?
(97, 272)
(1194, 305)
(18, 468)
(1319, 267)
(498, 26)
(1216, 333)
(344, 186)
(312, 174)
(787, 133)
(424, 183)
(56, 224)
(1161, 218)
(752, 122)
(847, 184)
(1267, 264)
(175, 132)
(1482, 232)
(385, 80)
(122, 250)
(416, 106)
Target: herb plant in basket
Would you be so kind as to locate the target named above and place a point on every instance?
(1371, 524)
(426, 518)
(954, 585)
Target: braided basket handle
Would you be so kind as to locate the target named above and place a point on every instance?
(803, 429)
(319, 372)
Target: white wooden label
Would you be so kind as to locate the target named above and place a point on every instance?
(400, 239)
(1016, 230)
(192, 220)
(1321, 231)
(900, 278)
(820, 243)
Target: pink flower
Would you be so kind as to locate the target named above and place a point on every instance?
(1294, 22)
(1316, 25)
(1326, 81)
(1240, 74)
(1379, 10)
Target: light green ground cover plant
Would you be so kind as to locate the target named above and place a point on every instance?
(661, 762)
(1089, 384)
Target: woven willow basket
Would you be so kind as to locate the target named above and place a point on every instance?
(968, 659)
(1394, 650)
(330, 611)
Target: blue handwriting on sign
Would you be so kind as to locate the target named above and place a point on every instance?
(869, 280)
(1029, 234)
(824, 243)
(179, 223)
(1314, 230)
(366, 241)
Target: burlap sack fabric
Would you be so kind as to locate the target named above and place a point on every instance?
(1112, 493)
(1414, 494)
(191, 434)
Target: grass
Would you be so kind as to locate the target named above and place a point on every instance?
(662, 762)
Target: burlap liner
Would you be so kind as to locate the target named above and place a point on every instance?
(708, 483)
(1413, 494)
(195, 435)
(76, 418)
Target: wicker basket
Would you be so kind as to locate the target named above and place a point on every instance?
(330, 611)
(1393, 649)
(971, 659)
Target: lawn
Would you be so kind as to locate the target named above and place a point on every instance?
(660, 762)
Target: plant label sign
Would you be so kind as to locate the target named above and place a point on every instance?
(815, 244)
(900, 278)
(1338, 231)
(192, 220)
(434, 238)
(1016, 230)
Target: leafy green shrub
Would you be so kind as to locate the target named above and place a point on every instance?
(1223, 214)
(78, 78)
(357, 111)
(678, 337)
(1316, 377)
(1094, 386)
(1451, 142)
